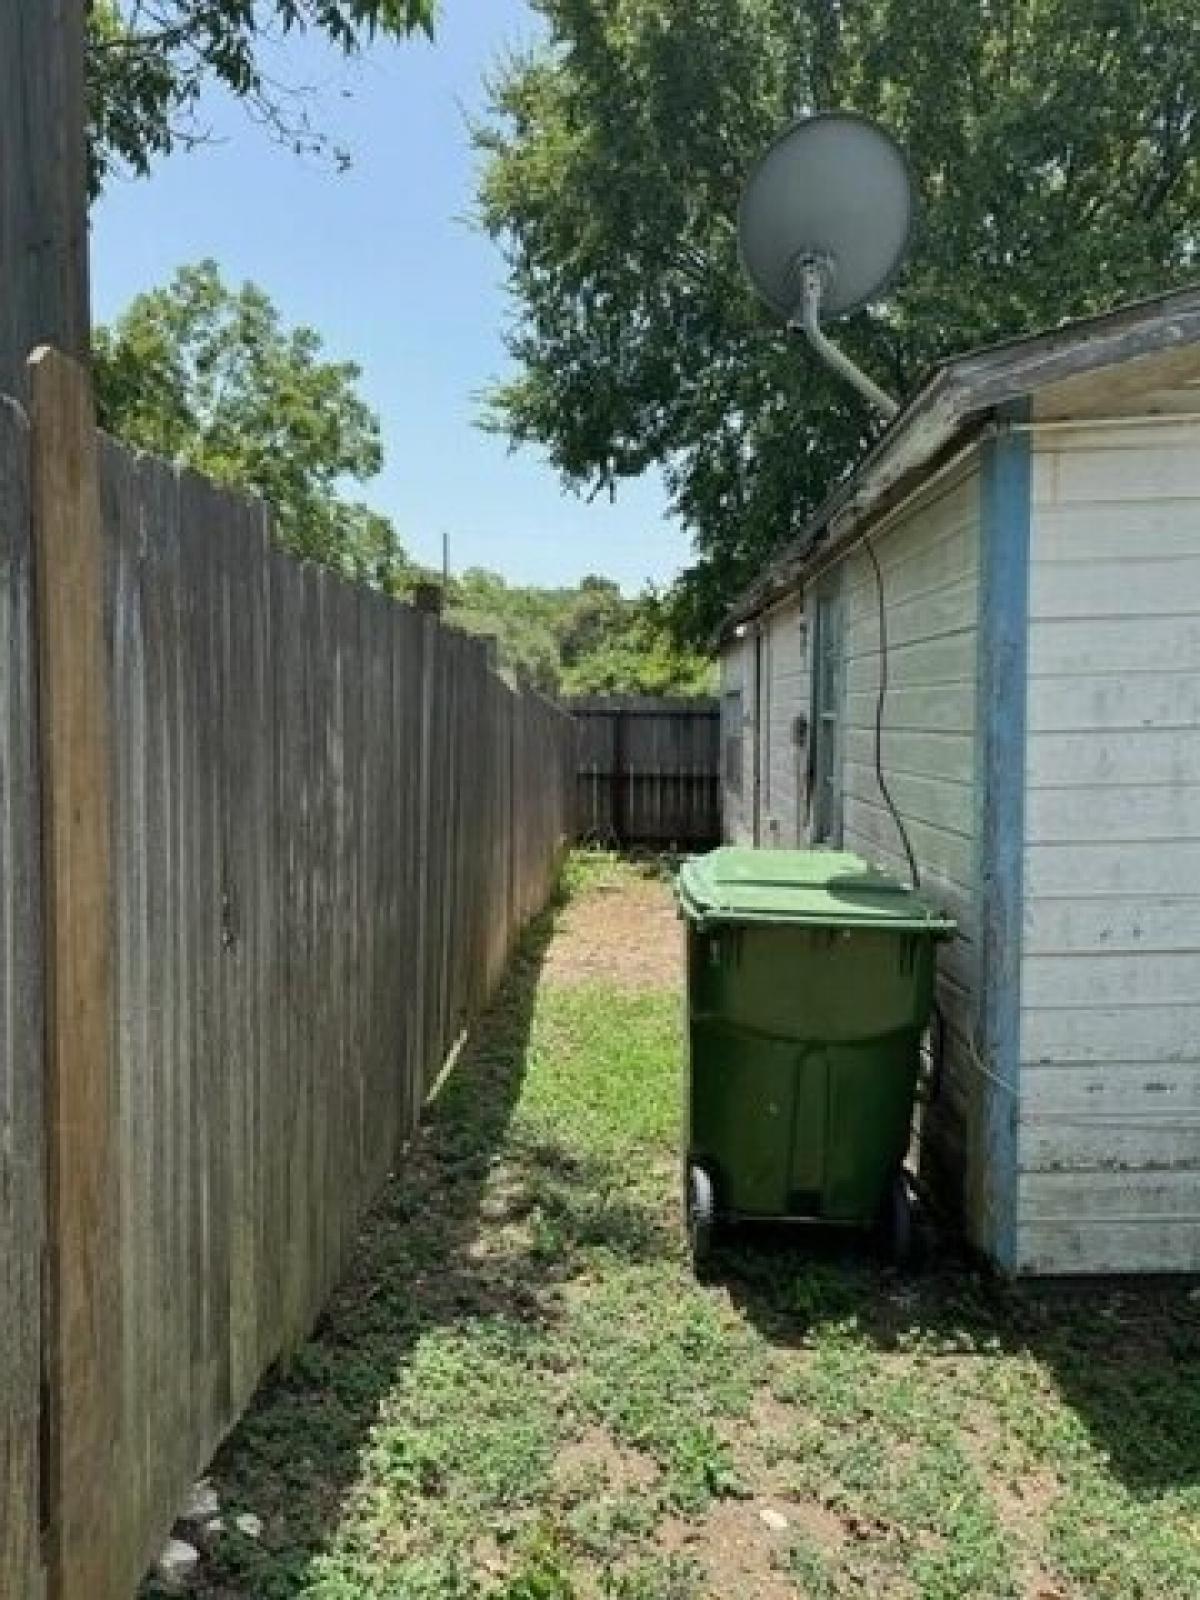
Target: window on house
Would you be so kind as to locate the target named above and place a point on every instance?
(731, 739)
(827, 721)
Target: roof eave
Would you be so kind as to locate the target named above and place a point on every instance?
(951, 402)
(919, 431)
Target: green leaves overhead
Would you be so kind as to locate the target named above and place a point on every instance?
(209, 376)
(150, 60)
(1054, 147)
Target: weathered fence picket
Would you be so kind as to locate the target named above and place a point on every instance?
(21, 1029)
(292, 830)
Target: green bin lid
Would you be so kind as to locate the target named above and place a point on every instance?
(817, 888)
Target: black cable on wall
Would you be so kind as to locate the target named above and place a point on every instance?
(937, 1034)
(880, 702)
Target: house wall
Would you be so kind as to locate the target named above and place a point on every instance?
(787, 693)
(1109, 1133)
(1041, 739)
(737, 727)
(770, 752)
(929, 560)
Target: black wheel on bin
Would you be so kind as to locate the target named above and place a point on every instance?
(897, 1222)
(701, 1215)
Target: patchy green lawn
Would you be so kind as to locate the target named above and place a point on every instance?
(521, 1391)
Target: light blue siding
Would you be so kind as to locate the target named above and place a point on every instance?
(1000, 797)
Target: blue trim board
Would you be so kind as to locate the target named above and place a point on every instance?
(1005, 496)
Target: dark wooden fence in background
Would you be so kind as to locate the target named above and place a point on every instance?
(649, 770)
(291, 831)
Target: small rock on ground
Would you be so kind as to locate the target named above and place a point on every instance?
(201, 1504)
(249, 1524)
(775, 1520)
(177, 1564)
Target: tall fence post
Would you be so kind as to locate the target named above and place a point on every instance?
(43, 185)
(82, 1314)
(45, 300)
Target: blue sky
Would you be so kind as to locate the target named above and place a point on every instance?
(382, 263)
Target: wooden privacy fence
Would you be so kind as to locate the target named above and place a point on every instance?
(649, 770)
(265, 842)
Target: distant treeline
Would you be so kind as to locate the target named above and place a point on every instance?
(587, 640)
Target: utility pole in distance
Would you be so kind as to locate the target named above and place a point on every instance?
(44, 291)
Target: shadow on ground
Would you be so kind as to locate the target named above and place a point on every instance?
(1124, 1355)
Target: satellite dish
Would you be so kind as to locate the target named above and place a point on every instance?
(825, 222)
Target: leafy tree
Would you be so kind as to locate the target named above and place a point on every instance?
(150, 60)
(1053, 144)
(210, 377)
(596, 616)
(521, 620)
(590, 640)
(640, 655)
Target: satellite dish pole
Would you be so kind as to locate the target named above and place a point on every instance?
(812, 290)
(825, 221)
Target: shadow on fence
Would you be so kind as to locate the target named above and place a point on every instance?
(415, 1268)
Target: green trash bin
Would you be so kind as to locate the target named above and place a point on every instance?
(810, 981)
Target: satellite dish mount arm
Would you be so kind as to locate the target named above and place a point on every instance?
(815, 272)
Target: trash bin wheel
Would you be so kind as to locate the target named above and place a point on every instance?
(701, 1214)
(897, 1221)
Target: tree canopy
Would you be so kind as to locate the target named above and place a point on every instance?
(1053, 145)
(586, 640)
(150, 60)
(211, 377)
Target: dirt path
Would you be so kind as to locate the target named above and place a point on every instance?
(622, 929)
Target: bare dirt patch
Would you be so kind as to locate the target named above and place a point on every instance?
(625, 934)
(736, 1550)
(595, 1460)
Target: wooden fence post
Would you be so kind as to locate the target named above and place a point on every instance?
(43, 185)
(81, 1320)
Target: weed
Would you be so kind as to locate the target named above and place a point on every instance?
(809, 1567)
(671, 1577)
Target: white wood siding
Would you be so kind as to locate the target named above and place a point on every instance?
(787, 694)
(930, 564)
(1109, 1143)
(737, 677)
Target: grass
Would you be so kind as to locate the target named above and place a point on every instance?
(522, 1393)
